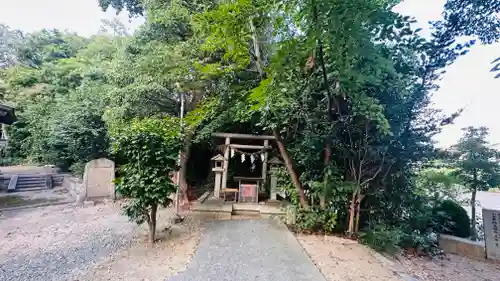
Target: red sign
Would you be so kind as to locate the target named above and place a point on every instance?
(248, 190)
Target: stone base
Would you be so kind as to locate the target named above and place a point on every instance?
(217, 209)
(462, 247)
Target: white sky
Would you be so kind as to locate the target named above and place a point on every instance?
(468, 83)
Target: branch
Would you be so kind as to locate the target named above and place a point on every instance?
(377, 172)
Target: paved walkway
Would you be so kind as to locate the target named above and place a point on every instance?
(245, 250)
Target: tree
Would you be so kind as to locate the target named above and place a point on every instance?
(468, 18)
(344, 86)
(148, 151)
(9, 39)
(477, 165)
(438, 183)
(471, 18)
(163, 62)
(59, 89)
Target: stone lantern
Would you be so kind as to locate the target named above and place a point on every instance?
(273, 163)
(218, 169)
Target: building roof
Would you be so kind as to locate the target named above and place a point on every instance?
(275, 161)
(218, 157)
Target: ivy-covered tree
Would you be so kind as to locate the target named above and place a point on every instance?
(477, 165)
(148, 151)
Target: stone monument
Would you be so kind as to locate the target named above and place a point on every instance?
(98, 179)
(491, 221)
(218, 169)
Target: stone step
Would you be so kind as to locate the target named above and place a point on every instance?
(31, 180)
(25, 189)
(30, 185)
(244, 217)
(253, 214)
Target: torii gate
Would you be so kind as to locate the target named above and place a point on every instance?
(228, 145)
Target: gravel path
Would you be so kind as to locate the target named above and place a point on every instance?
(244, 250)
(60, 242)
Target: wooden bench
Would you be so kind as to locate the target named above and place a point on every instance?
(234, 191)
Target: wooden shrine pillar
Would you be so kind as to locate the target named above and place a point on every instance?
(264, 165)
(226, 163)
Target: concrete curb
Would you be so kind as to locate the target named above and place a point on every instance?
(35, 206)
(395, 267)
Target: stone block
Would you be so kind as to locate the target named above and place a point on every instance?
(12, 183)
(98, 179)
(462, 247)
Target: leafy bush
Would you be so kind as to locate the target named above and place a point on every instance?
(422, 242)
(452, 215)
(383, 239)
(316, 220)
(77, 169)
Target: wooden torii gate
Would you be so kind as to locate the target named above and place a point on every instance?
(228, 145)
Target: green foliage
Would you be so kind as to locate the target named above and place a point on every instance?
(148, 150)
(346, 84)
(440, 182)
(471, 18)
(476, 164)
(455, 217)
(60, 93)
(383, 239)
(316, 220)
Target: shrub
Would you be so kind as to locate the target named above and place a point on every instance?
(316, 220)
(454, 217)
(151, 148)
(77, 169)
(383, 238)
(421, 230)
(421, 242)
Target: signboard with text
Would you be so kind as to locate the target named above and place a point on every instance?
(491, 221)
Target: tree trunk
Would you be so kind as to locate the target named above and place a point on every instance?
(473, 217)
(326, 163)
(188, 140)
(291, 169)
(152, 223)
(183, 184)
(358, 209)
(352, 213)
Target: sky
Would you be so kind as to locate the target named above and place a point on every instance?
(467, 84)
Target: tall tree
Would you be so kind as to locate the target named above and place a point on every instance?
(477, 165)
(9, 42)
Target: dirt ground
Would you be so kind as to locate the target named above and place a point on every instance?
(68, 243)
(341, 259)
(345, 260)
(451, 268)
(168, 256)
(26, 198)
